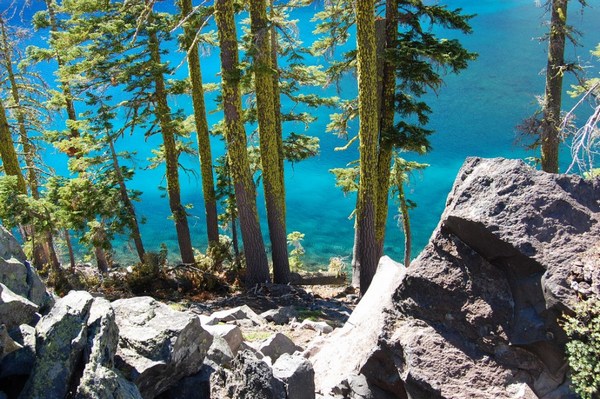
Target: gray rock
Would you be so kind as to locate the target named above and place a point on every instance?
(241, 313)
(232, 334)
(195, 386)
(157, 345)
(60, 340)
(476, 313)
(20, 362)
(281, 315)
(18, 275)
(15, 309)
(220, 352)
(248, 378)
(10, 247)
(99, 379)
(276, 345)
(348, 348)
(7, 344)
(297, 375)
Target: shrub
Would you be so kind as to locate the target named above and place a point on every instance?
(583, 348)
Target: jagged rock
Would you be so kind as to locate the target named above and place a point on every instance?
(230, 333)
(248, 378)
(18, 275)
(281, 315)
(238, 314)
(297, 375)
(20, 361)
(476, 313)
(60, 340)
(276, 345)
(99, 379)
(7, 344)
(157, 345)
(15, 309)
(195, 386)
(347, 349)
(220, 352)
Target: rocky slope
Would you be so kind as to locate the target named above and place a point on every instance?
(474, 316)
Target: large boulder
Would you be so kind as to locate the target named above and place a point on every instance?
(99, 378)
(297, 375)
(476, 313)
(15, 309)
(157, 345)
(17, 274)
(249, 377)
(60, 340)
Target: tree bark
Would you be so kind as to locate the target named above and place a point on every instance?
(366, 259)
(550, 134)
(163, 114)
(10, 161)
(202, 133)
(269, 151)
(386, 123)
(132, 218)
(235, 136)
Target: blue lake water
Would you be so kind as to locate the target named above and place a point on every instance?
(474, 114)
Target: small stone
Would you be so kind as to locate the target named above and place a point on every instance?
(297, 375)
(277, 345)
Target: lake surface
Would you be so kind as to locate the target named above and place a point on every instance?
(474, 114)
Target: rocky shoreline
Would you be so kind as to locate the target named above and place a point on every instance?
(475, 315)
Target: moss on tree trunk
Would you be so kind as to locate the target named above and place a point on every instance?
(235, 136)
(163, 114)
(550, 134)
(268, 132)
(365, 260)
(202, 132)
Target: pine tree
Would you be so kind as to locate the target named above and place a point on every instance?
(365, 246)
(270, 139)
(245, 192)
(411, 60)
(193, 20)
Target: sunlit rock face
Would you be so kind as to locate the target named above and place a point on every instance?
(475, 315)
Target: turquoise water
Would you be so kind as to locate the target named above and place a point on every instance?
(474, 114)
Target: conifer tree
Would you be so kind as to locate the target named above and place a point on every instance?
(29, 115)
(270, 139)
(365, 245)
(193, 20)
(413, 60)
(245, 191)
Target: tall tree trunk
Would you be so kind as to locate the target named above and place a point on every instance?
(202, 133)
(245, 192)
(10, 161)
(267, 125)
(43, 251)
(365, 260)
(277, 94)
(132, 218)
(70, 248)
(163, 114)
(550, 134)
(386, 122)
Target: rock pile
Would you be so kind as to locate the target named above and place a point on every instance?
(87, 347)
(475, 315)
